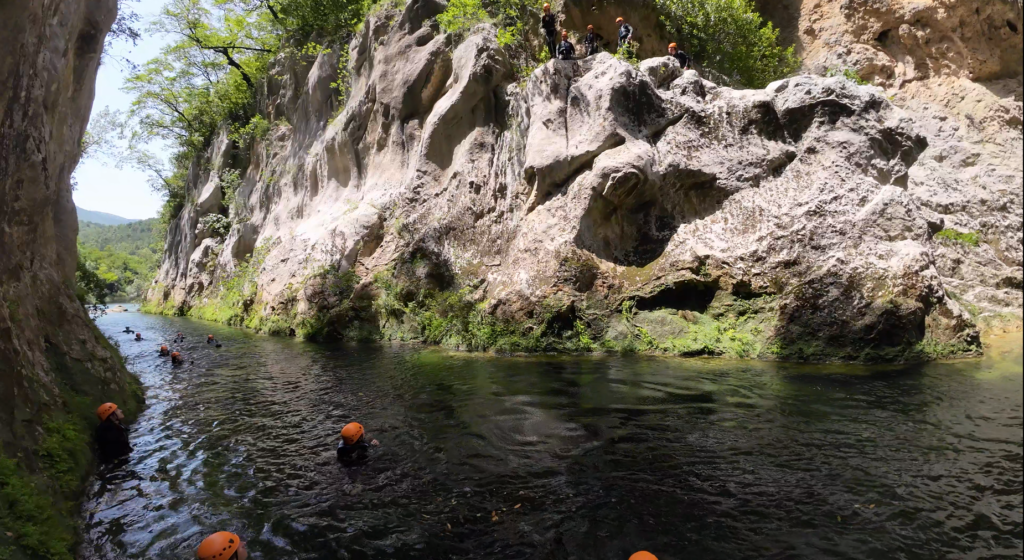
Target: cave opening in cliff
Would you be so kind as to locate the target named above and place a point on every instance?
(686, 295)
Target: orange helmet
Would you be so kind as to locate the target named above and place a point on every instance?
(565, 34)
(219, 546)
(163, 348)
(643, 555)
(590, 28)
(175, 355)
(209, 337)
(620, 20)
(105, 410)
(351, 433)
(673, 46)
(546, 6)
(138, 335)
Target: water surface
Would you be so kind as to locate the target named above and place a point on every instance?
(558, 457)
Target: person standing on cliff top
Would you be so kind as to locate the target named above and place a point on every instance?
(566, 50)
(591, 42)
(625, 32)
(674, 52)
(549, 23)
(111, 434)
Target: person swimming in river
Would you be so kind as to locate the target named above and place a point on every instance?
(127, 330)
(211, 340)
(176, 359)
(111, 434)
(353, 447)
(138, 336)
(179, 338)
(164, 351)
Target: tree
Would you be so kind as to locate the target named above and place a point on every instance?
(729, 37)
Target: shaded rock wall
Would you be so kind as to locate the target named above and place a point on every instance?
(54, 364)
(596, 183)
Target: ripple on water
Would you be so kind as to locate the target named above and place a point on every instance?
(558, 457)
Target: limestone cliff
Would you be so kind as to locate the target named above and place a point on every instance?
(55, 367)
(598, 204)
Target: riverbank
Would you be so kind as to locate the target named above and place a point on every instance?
(709, 322)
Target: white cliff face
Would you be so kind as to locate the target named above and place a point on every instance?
(596, 183)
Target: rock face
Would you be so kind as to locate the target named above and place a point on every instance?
(605, 202)
(55, 367)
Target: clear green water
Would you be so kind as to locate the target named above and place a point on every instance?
(559, 457)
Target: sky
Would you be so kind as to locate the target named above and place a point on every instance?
(101, 186)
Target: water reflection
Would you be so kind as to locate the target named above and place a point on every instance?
(558, 457)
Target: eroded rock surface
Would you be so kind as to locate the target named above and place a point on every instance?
(596, 191)
(55, 366)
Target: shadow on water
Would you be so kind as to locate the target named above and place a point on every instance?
(558, 457)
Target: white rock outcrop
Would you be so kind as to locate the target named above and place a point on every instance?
(817, 192)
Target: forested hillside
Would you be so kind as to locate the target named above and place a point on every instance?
(124, 257)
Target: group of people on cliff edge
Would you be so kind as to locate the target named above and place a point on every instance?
(565, 50)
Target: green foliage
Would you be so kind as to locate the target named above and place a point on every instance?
(328, 20)
(230, 180)
(729, 37)
(64, 453)
(970, 238)
(848, 73)
(462, 15)
(234, 296)
(90, 289)
(123, 257)
(27, 512)
(256, 129)
(343, 85)
(216, 225)
(627, 53)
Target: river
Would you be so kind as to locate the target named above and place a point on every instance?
(558, 457)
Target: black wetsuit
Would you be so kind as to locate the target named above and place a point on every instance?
(566, 50)
(354, 453)
(625, 31)
(549, 23)
(592, 43)
(683, 59)
(112, 441)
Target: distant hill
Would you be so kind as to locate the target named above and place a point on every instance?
(101, 218)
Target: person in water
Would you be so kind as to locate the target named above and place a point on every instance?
(128, 330)
(111, 434)
(222, 546)
(179, 338)
(211, 340)
(164, 351)
(138, 336)
(176, 359)
(353, 446)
